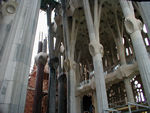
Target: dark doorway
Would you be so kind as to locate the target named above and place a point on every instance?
(87, 103)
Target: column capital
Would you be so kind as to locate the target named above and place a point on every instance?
(132, 24)
(62, 77)
(96, 48)
(41, 58)
(53, 62)
(9, 7)
(69, 64)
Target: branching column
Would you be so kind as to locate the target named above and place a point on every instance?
(67, 48)
(127, 83)
(96, 50)
(72, 71)
(70, 41)
(120, 47)
(133, 27)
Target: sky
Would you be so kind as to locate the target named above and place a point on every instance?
(42, 28)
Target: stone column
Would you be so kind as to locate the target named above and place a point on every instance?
(133, 27)
(40, 46)
(95, 102)
(15, 62)
(40, 61)
(6, 22)
(129, 90)
(45, 46)
(72, 96)
(62, 91)
(70, 66)
(128, 87)
(78, 107)
(114, 57)
(96, 50)
(53, 64)
(145, 13)
(6, 27)
(121, 51)
(70, 35)
(66, 38)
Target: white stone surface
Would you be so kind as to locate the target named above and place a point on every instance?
(128, 87)
(133, 27)
(15, 63)
(73, 99)
(145, 12)
(97, 53)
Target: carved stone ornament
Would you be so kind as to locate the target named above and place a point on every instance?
(132, 24)
(119, 75)
(73, 64)
(69, 64)
(53, 62)
(9, 7)
(41, 58)
(95, 48)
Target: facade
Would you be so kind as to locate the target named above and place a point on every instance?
(100, 62)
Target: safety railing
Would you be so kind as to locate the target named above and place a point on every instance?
(137, 105)
(111, 110)
(129, 104)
